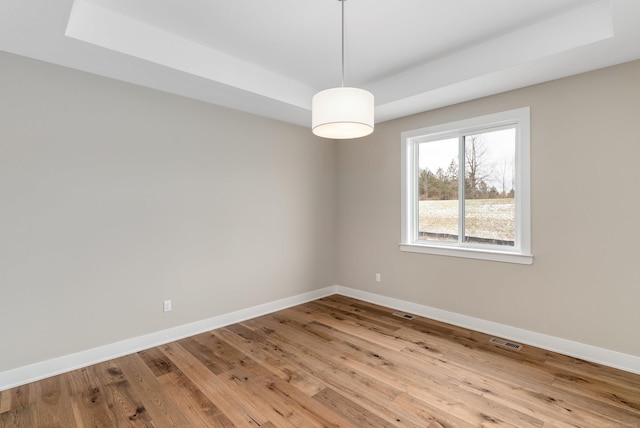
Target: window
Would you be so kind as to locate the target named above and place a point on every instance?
(465, 188)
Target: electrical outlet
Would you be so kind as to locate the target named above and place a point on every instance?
(166, 306)
(378, 277)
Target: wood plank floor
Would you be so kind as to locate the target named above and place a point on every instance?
(332, 362)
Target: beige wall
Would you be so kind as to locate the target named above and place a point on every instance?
(584, 282)
(114, 197)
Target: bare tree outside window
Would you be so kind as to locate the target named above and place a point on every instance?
(478, 167)
(489, 213)
(489, 208)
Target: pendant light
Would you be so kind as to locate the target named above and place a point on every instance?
(342, 113)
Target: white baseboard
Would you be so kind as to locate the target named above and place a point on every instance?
(23, 375)
(31, 373)
(618, 360)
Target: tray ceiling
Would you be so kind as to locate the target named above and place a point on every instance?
(270, 57)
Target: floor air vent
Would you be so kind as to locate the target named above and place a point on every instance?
(404, 315)
(510, 345)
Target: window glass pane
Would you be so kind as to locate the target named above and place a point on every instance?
(438, 190)
(489, 188)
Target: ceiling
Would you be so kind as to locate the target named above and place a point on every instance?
(270, 57)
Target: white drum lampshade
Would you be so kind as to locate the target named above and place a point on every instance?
(342, 113)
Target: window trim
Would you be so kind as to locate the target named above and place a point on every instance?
(521, 252)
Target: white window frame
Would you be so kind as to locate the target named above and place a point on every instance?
(521, 251)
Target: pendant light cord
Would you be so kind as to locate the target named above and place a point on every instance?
(342, 1)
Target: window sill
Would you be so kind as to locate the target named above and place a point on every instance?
(469, 253)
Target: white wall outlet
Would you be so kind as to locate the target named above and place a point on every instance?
(378, 277)
(166, 306)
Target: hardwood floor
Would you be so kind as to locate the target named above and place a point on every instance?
(332, 362)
